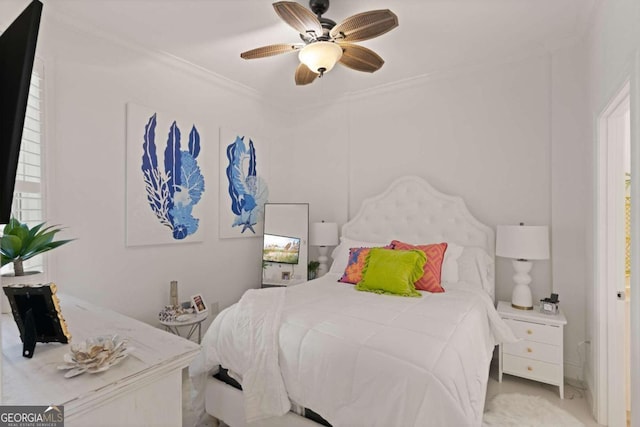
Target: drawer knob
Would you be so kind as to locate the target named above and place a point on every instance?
(529, 350)
(529, 331)
(529, 368)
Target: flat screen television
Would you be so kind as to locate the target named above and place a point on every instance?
(17, 53)
(281, 249)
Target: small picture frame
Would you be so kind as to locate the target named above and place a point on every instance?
(286, 275)
(36, 311)
(198, 303)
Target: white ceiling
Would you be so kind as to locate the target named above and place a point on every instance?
(433, 35)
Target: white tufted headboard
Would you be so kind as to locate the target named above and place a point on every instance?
(411, 210)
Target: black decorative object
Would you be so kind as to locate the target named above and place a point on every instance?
(550, 305)
(36, 310)
(17, 54)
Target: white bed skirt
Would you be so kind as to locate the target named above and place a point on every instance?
(226, 403)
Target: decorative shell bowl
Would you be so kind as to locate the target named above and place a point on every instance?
(95, 355)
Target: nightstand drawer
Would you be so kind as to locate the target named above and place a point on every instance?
(534, 350)
(532, 369)
(548, 334)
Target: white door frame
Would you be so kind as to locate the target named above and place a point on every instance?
(635, 242)
(610, 256)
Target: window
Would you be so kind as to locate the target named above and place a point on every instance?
(27, 204)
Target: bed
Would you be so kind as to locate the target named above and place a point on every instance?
(324, 353)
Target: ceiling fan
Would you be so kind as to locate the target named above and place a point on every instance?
(325, 42)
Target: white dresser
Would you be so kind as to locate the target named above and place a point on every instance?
(539, 354)
(145, 389)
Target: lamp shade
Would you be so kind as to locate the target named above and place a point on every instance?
(320, 57)
(324, 234)
(526, 242)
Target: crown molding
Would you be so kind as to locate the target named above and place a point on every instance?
(292, 104)
(543, 50)
(164, 57)
(447, 73)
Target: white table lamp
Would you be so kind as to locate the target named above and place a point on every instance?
(323, 234)
(523, 243)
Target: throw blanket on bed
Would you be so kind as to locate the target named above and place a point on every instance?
(252, 358)
(358, 358)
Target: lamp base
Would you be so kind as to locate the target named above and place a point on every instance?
(322, 259)
(521, 297)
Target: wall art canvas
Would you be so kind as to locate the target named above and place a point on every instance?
(243, 186)
(165, 181)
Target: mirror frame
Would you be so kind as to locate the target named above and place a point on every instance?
(295, 224)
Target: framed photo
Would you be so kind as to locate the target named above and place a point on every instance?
(198, 303)
(36, 311)
(286, 275)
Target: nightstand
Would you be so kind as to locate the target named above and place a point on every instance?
(194, 322)
(539, 354)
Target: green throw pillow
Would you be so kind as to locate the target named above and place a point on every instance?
(393, 272)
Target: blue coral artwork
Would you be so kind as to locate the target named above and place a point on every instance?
(165, 182)
(243, 189)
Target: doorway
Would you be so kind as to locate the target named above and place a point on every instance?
(614, 261)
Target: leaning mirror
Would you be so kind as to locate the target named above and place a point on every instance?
(285, 248)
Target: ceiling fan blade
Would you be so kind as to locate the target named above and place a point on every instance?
(298, 17)
(364, 26)
(270, 50)
(304, 75)
(360, 58)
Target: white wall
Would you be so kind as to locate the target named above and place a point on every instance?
(89, 80)
(482, 134)
(570, 165)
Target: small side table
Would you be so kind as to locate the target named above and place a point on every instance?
(539, 354)
(194, 324)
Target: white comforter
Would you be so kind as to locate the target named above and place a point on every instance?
(358, 358)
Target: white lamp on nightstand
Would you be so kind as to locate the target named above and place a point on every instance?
(523, 243)
(323, 234)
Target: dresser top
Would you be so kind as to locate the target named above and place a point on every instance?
(38, 381)
(507, 311)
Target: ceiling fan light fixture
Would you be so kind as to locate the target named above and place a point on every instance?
(321, 56)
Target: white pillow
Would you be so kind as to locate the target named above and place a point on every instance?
(476, 267)
(340, 254)
(450, 263)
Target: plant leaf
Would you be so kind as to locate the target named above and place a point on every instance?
(155, 181)
(40, 241)
(236, 185)
(194, 142)
(10, 246)
(25, 243)
(36, 229)
(172, 162)
(149, 158)
(252, 159)
(46, 248)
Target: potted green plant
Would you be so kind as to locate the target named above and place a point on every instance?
(312, 269)
(20, 243)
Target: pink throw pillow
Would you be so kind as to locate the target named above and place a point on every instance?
(431, 280)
